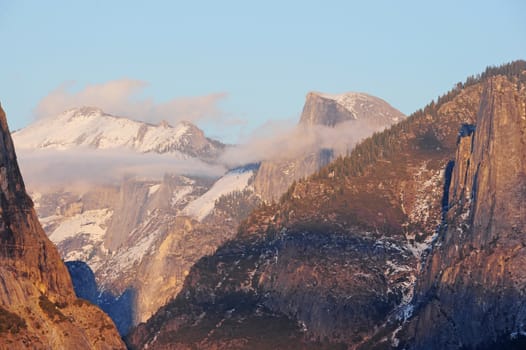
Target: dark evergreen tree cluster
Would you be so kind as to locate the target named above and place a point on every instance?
(512, 70)
(238, 204)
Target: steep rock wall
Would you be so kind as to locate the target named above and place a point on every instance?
(471, 293)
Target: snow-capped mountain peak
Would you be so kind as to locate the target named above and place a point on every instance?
(91, 127)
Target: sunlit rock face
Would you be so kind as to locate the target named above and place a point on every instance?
(392, 247)
(471, 293)
(131, 207)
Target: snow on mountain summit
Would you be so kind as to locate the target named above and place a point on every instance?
(331, 109)
(93, 128)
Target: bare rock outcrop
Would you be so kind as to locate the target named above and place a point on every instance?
(471, 294)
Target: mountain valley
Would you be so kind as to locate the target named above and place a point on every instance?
(390, 242)
(125, 228)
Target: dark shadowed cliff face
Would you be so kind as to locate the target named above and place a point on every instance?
(472, 291)
(38, 305)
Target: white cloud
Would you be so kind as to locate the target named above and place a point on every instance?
(122, 97)
(52, 168)
(284, 140)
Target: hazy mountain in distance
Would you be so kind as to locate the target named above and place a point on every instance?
(126, 229)
(332, 109)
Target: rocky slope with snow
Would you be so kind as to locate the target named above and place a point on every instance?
(124, 233)
(38, 306)
(126, 229)
(362, 115)
(337, 263)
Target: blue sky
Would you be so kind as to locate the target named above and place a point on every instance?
(245, 63)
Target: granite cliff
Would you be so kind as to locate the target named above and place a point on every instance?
(471, 291)
(39, 308)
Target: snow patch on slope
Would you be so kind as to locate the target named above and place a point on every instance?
(236, 180)
(180, 194)
(153, 189)
(135, 253)
(92, 223)
(355, 102)
(82, 233)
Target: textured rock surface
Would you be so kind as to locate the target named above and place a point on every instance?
(330, 110)
(126, 231)
(36, 288)
(471, 293)
(336, 260)
(275, 176)
(163, 239)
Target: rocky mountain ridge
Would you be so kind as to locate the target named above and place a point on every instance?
(91, 127)
(330, 110)
(337, 263)
(471, 289)
(126, 232)
(121, 227)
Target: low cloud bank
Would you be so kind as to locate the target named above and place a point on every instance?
(52, 168)
(274, 141)
(283, 140)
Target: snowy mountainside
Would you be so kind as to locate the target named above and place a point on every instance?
(139, 223)
(235, 180)
(91, 127)
(123, 232)
(85, 230)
